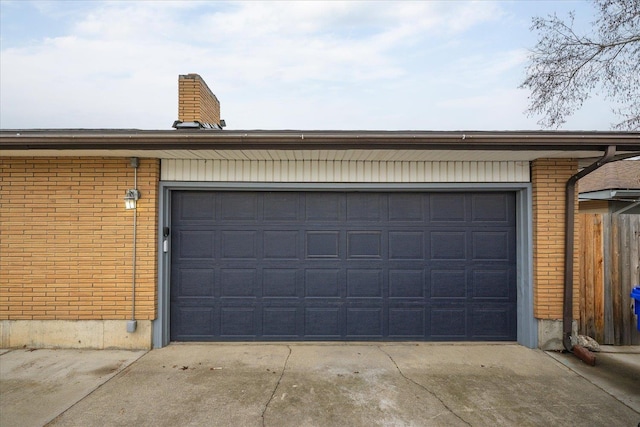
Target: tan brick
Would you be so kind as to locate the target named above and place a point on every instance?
(549, 177)
(196, 102)
(66, 239)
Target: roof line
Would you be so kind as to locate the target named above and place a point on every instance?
(292, 139)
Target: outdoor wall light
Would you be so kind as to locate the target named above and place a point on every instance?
(130, 198)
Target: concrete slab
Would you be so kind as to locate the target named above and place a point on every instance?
(508, 385)
(38, 385)
(327, 384)
(350, 385)
(617, 372)
(315, 384)
(182, 385)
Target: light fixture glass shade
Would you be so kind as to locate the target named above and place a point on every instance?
(130, 198)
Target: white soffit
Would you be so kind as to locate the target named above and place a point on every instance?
(391, 171)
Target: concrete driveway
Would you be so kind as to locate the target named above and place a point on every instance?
(323, 384)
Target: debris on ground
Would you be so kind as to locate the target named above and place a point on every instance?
(586, 342)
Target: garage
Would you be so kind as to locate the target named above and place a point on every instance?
(342, 265)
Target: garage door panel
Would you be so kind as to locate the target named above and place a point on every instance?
(323, 206)
(337, 266)
(364, 322)
(448, 245)
(322, 283)
(494, 284)
(448, 284)
(238, 322)
(492, 322)
(239, 244)
(406, 207)
(281, 207)
(406, 283)
(406, 245)
(407, 322)
(196, 282)
(195, 207)
(491, 245)
(279, 282)
(364, 207)
(239, 282)
(196, 322)
(449, 321)
(238, 206)
(491, 208)
(323, 244)
(364, 244)
(280, 322)
(192, 244)
(445, 208)
(281, 244)
(365, 283)
(322, 322)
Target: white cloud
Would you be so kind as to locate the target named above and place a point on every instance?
(272, 64)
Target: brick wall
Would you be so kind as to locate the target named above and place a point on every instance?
(549, 177)
(196, 102)
(66, 239)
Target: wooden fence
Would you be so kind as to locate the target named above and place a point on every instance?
(609, 257)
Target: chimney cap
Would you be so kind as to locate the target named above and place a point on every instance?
(190, 76)
(197, 125)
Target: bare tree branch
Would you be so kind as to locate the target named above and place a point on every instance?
(566, 67)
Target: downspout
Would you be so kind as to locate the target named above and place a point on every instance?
(567, 309)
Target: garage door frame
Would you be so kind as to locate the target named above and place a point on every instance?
(526, 324)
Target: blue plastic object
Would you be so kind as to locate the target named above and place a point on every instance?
(635, 294)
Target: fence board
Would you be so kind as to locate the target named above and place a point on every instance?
(585, 231)
(614, 279)
(609, 269)
(632, 225)
(634, 254)
(598, 280)
(625, 276)
(608, 298)
(584, 276)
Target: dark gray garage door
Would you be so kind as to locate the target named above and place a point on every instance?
(342, 266)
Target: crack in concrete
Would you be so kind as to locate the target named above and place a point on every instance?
(121, 373)
(423, 387)
(273, 393)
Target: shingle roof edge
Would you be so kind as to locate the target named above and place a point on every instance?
(314, 139)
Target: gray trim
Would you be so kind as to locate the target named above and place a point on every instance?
(161, 323)
(527, 324)
(610, 195)
(324, 186)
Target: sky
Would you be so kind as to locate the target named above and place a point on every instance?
(419, 65)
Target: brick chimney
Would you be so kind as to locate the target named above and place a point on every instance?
(198, 107)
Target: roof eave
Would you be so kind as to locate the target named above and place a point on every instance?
(612, 194)
(288, 140)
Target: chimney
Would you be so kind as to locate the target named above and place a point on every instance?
(198, 107)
